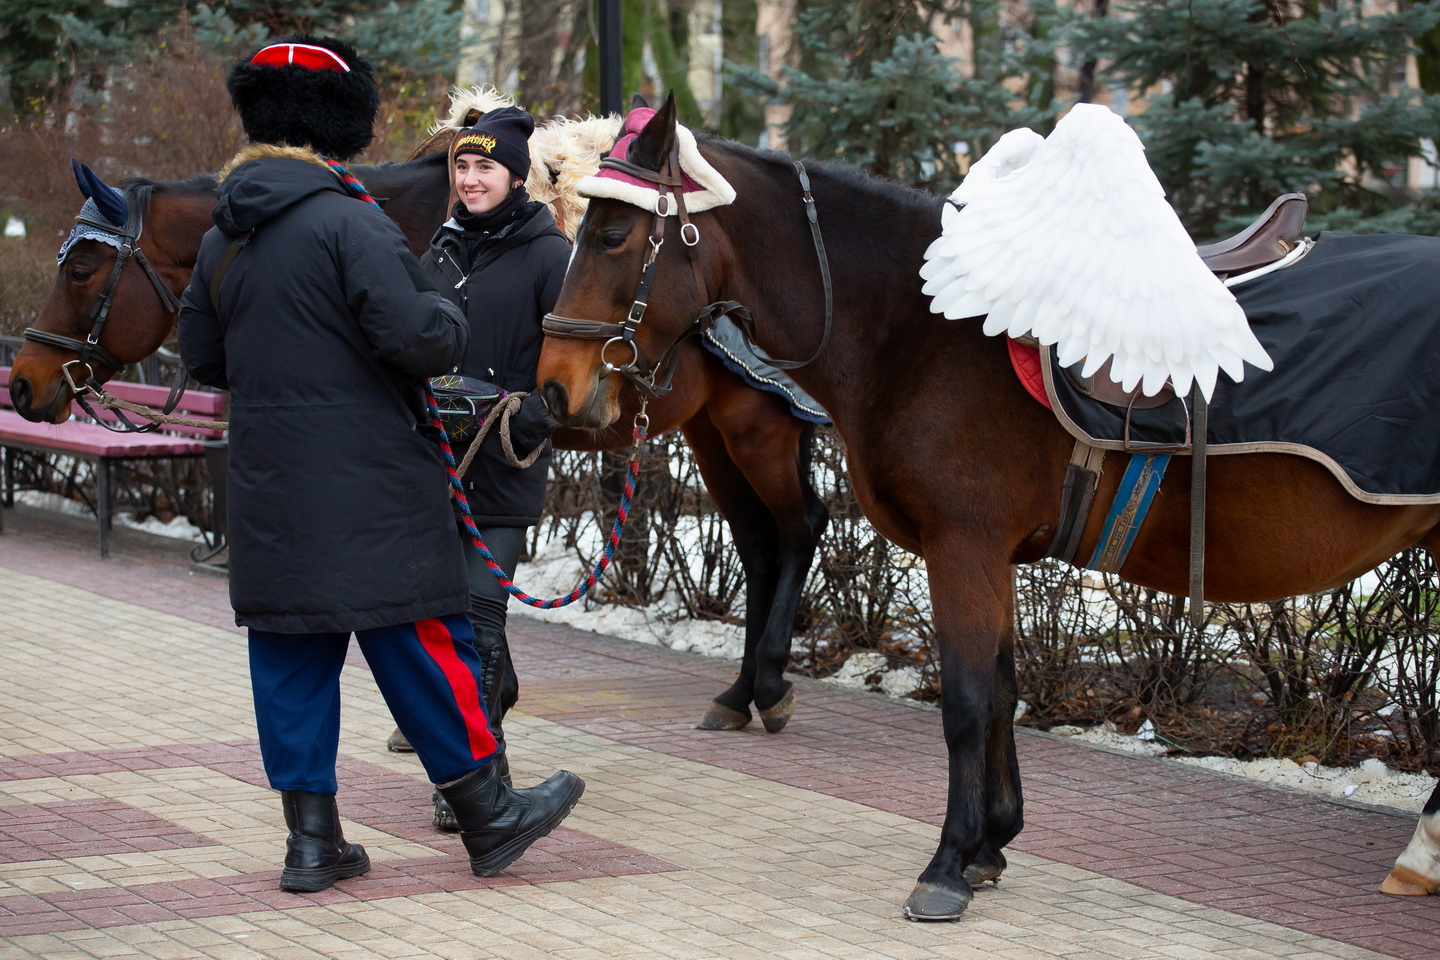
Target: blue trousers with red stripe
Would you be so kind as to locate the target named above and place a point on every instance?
(427, 671)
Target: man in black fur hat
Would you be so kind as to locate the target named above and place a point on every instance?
(307, 304)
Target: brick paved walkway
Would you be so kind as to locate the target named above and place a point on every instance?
(134, 818)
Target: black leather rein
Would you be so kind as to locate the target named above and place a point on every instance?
(654, 380)
(89, 349)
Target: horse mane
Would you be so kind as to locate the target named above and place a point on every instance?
(843, 176)
(140, 190)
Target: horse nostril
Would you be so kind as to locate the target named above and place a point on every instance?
(557, 400)
(21, 393)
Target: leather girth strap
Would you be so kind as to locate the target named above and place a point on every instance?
(1201, 421)
(1077, 496)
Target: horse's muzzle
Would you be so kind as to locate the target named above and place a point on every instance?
(55, 410)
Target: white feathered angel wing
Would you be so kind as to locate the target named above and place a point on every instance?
(1076, 246)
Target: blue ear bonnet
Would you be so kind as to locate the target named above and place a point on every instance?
(102, 202)
(108, 201)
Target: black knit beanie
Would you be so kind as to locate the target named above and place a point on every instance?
(503, 135)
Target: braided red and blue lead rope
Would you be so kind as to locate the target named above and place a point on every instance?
(457, 488)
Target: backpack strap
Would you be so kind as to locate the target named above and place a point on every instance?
(227, 258)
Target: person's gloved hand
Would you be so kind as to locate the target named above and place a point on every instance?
(531, 425)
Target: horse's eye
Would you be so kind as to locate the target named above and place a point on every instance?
(79, 275)
(613, 240)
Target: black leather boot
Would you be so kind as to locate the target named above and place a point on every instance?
(316, 854)
(444, 818)
(498, 823)
(494, 658)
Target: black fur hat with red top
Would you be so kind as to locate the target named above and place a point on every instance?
(306, 91)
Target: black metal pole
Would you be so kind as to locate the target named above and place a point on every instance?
(610, 74)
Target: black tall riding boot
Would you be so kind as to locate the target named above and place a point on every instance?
(316, 854)
(496, 660)
(498, 823)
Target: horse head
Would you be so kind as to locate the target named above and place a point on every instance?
(605, 322)
(139, 317)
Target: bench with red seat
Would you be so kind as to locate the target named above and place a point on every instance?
(90, 441)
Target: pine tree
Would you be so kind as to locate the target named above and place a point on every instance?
(1243, 100)
(871, 86)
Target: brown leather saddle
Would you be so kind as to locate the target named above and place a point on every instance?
(1274, 234)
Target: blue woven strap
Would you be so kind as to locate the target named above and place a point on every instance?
(1127, 512)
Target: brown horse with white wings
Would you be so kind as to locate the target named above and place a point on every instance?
(949, 456)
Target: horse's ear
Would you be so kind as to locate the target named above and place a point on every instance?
(652, 147)
(638, 102)
(110, 201)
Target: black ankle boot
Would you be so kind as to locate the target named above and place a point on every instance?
(316, 854)
(444, 817)
(498, 823)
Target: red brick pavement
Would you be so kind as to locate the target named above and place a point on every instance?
(1258, 851)
(85, 828)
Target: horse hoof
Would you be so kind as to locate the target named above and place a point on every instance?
(1407, 883)
(720, 717)
(978, 873)
(398, 744)
(777, 716)
(932, 902)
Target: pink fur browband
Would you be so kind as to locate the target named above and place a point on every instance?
(704, 187)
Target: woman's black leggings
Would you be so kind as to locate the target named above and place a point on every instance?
(488, 602)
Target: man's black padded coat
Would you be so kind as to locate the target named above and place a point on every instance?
(339, 513)
(513, 282)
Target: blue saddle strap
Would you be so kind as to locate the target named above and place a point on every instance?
(1127, 513)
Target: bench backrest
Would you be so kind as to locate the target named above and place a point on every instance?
(195, 403)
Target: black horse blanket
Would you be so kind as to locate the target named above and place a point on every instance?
(1354, 330)
(727, 342)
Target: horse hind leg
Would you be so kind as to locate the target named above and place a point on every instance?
(1417, 871)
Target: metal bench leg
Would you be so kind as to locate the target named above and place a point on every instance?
(7, 498)
(104, 496)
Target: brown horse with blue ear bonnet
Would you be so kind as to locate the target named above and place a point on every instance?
(948, 454)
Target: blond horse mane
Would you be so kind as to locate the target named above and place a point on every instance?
(562, 151)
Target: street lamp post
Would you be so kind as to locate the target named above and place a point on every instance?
(610, 72)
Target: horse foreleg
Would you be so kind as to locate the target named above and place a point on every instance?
(754, 535)
(973, 600)
(1417, 871)
(772, 449)
(783, 483)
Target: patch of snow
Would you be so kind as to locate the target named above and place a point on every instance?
(44, 500)
(555, 572)
(1370, 782)
(900, 681)
(1106, 735)
(856, 668)
(178, 528)
(1021, 708)
(14, 227)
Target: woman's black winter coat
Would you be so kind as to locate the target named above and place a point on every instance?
(339, 516)
(512, 283)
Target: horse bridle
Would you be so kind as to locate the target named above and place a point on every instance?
(654, 380)
(90, 349)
